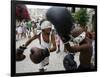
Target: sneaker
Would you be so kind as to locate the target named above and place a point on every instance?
(41, 70)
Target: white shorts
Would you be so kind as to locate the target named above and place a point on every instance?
(44, 63)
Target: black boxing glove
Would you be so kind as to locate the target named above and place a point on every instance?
(46, 52)
(21, 49)
(19, 53)
(37, 54)
(69, 63)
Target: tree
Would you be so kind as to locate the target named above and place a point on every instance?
(22, 12)
(81, 17)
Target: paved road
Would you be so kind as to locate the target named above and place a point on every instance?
(55, 64)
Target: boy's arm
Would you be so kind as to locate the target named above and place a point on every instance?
(30, 40)
(82, 47)
(76, 48)
(53, 42)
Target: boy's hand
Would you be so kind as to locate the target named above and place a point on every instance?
(75, 47)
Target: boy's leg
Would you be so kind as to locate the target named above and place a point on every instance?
(43, 64)
(58, 49)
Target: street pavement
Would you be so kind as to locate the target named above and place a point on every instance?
(55, 60)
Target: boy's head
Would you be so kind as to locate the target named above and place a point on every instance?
(46, 27)
(77, 31)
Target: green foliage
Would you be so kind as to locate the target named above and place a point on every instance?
(81, 16)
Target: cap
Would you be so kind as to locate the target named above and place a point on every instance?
(46, 24)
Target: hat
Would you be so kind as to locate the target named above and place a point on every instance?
(46, 24)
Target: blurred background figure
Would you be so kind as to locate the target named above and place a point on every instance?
(19, 30)
(29, 26)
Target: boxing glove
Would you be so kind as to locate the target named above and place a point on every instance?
(19, 53)
(69, 63)
(46, 52)
(37, 54)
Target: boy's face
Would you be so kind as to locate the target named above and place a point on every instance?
(47, 30)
